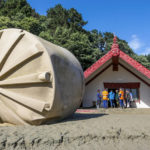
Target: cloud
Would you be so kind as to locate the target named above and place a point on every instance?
(138, 46)
(146, 51)
(135, 42)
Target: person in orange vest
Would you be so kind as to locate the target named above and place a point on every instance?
(121, 98)
(105, 98)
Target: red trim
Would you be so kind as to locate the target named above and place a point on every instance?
(98, 74)
(134, 74)
(129, 85)
(123, 67)
(116, 52)
(97, 64)
(135, 64)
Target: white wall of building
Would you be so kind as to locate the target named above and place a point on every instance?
(120, 76)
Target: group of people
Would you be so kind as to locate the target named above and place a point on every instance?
(116, 99)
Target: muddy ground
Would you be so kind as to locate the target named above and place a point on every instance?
(112, 129)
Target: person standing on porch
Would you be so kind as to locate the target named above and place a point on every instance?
(127, 99)
(105, 98)
(131, 98)
(112, 98)
(121, 98)
(117, 98)
(98, 102)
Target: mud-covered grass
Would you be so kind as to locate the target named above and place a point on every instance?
(94, 130)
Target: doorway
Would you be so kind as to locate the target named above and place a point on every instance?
(130, 86)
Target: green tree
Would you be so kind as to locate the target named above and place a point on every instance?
(59, 16)
(148, 57)
(75, 20)
(143, 60)
(77, 43)
(64, 27)
(5, 22)
(28, 23)
(10, 8)
(31, 24)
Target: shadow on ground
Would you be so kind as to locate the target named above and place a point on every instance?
(75, 117)
(80, 116)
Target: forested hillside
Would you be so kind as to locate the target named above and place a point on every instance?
(65, 28)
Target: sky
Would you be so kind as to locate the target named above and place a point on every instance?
(128, 19)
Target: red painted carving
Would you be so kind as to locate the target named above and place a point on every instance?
(115, 47)
(115, 51)
(135, 64)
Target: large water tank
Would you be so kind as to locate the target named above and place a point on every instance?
(39, 81)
